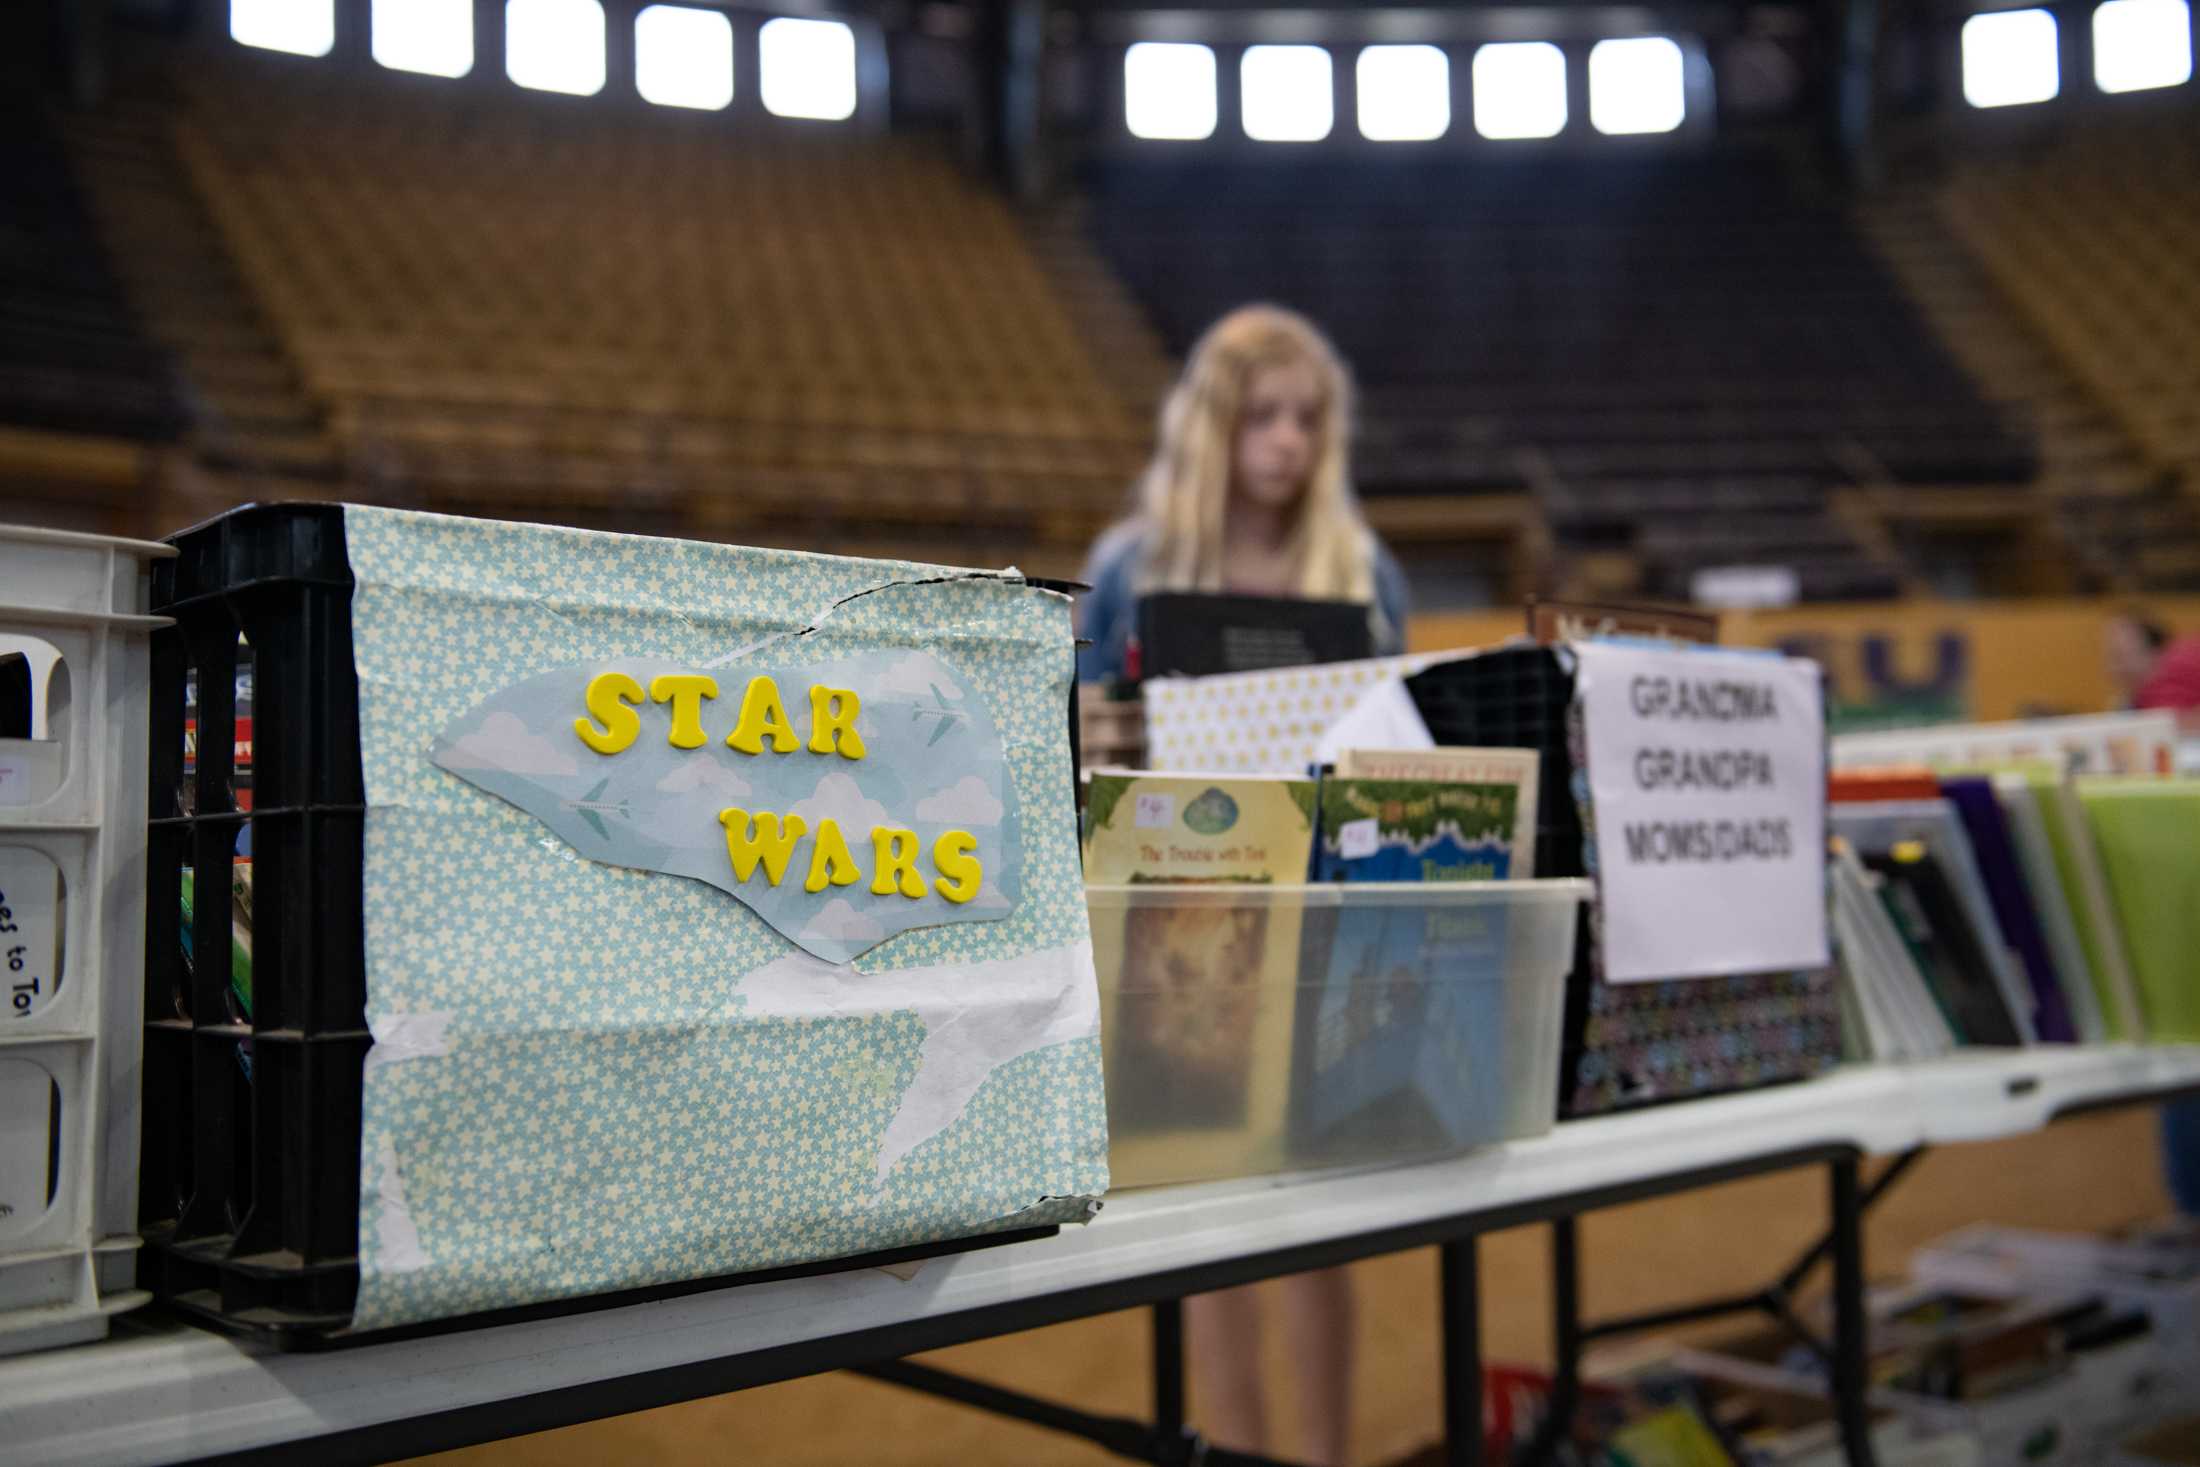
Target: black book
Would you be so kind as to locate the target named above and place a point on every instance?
(1950, 952)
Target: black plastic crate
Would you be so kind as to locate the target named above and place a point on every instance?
(249, 1180)
(1625, 1044)
(249, 1191)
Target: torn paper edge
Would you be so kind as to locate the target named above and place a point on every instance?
(397, 1237)
(400, 1037)
(965, 1008)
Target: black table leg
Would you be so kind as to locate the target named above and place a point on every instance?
(1168, 1370)
(1850, 1380)
(1566, 1342)
(1461, 1287)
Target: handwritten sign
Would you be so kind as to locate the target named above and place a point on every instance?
(1707, 778)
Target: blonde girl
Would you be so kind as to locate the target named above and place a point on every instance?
(1249, 491)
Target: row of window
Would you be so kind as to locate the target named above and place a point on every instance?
(2012, 57)
(683, 56)
(1636, 85)
(1286, 93)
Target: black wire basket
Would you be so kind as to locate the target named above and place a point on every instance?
(1631, 1044)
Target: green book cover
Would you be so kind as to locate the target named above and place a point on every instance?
(1197, 827)
(2148, 833)
(2079, 867)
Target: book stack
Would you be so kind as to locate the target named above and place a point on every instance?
(1308, 971)
(2047, 1377)
(2013, 904)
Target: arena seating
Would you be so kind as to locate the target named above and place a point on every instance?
(2100, 514)
(1637, 341)
(72, 357)
(610, 316)
(2097, 240)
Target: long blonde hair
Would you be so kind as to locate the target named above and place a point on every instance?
(1185, 491)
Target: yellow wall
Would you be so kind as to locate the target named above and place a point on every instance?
(2016, 657)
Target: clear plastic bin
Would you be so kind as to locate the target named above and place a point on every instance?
(1254, 1029)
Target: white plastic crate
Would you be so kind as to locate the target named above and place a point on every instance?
(72, 901)
(1254, 1029)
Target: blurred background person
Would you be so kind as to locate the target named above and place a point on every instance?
(2153, 669)
(1250, 491)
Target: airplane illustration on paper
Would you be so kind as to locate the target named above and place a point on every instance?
(592, 807)
(948, 717)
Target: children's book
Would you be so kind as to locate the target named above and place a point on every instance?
(1428, 815)
(1198, 965)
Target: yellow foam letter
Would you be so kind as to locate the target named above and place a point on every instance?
(895, 852)
(829, 858)
(833, 720)
(685, 691)
(960, 872)
(772, 842)
(608, 695)
(762, 713)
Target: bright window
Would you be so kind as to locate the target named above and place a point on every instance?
(1288, 94)
(2009, 58)
(555, 45)
(683, 57)
(435, 37)
(1637, 85)
(301, 27)
(1405, 93)
(1169, 90)
(808, 69)
(2139, 44)
(1519, 90)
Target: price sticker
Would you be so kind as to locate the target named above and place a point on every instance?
(1156, 812)
(30, 931)
(1357, 838)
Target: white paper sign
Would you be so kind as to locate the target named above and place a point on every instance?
(1707, 777)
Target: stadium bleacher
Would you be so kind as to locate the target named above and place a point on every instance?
(633, 317)
(83, 391)
(2098, 242)
(2095, 242)
(1620, 368)
(75, 359)
(1633, 339)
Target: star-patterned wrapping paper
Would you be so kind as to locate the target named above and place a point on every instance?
(589, 1078)
(1259, 722)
